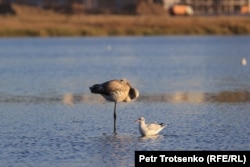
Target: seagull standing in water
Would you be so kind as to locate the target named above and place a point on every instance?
(116, 91)
(149, 129)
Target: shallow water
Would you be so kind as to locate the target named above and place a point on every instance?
(48, 117)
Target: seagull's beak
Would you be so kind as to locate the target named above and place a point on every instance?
(138, 120)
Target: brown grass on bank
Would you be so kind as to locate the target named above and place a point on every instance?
(31, 21)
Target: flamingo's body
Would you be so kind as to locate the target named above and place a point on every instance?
(116, 91)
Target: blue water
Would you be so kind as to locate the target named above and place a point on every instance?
(48, 117)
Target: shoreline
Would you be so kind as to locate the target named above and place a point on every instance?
(36, 22)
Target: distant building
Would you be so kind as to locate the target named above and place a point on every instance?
(216, 6)
(167, 4)
(200, 7)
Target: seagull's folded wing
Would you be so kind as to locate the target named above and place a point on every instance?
(154, 127)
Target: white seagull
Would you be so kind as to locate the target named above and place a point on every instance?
(116, 91)
(149, 129)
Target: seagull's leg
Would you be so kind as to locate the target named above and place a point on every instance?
(115, 118)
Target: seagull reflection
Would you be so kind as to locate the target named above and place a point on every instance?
(155, 137)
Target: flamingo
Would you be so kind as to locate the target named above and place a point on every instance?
(116, 91)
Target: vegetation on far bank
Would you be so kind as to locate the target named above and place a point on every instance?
(30, 21)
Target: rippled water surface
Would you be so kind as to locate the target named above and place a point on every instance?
(48, 117)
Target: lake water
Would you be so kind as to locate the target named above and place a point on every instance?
(48, 117)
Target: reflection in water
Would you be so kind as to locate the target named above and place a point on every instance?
(177, 97)
(113, 150)
(146, 138)
(200, 97)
